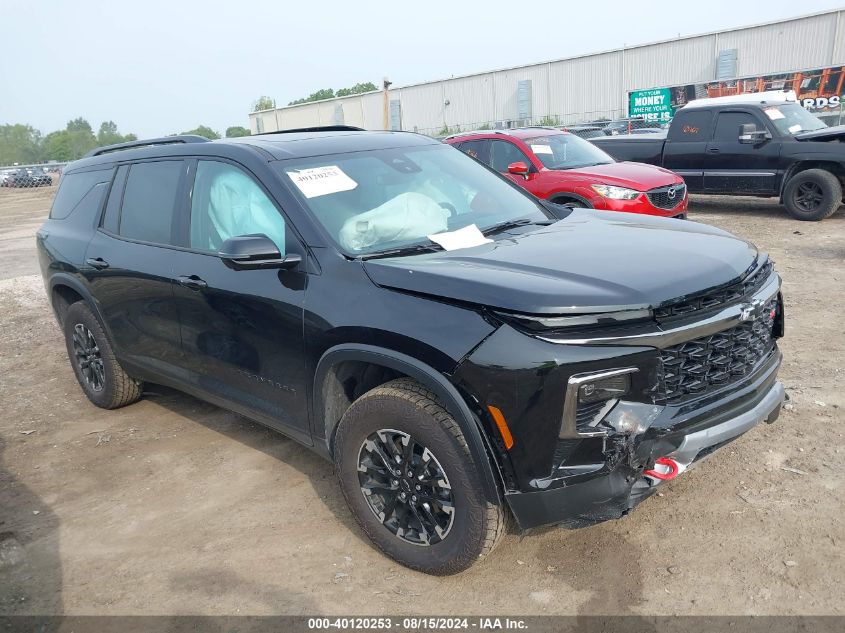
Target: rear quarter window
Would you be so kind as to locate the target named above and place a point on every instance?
(74, 190)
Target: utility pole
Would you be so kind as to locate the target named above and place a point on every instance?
(386, 84)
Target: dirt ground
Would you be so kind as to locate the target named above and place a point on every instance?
(173, 506)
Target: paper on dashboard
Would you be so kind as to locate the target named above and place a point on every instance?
(461, 238)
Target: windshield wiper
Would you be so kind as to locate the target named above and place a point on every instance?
(510, 224)
(403, 250)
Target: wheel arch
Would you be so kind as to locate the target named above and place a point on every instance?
(562, 197)
(835, 168)
(329, 401)
(65, 289)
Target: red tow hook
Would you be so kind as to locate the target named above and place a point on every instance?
(665, 468)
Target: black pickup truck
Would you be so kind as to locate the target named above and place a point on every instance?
(755, 148)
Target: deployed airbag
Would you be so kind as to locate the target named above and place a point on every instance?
(407, 217)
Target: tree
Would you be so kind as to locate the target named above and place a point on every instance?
(108, 134)
(80, 137)
(19, 144)
(356, 89)
(320, 95)
(204, 130)
(235, 131)
(263, 103)
(57, 146)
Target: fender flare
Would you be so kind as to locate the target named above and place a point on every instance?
(439, 384)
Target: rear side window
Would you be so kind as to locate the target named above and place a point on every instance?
(75, 188)
(476, 149)
(694, 125)
(149, 201)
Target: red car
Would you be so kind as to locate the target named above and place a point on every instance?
(563, 168)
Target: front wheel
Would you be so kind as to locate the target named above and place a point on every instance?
(409, 479)
(812, 195)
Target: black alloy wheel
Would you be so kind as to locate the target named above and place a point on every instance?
(88, 357)
(406, 487)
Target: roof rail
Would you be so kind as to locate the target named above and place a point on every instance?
(166, 140)
(317, 128)
(470, 132)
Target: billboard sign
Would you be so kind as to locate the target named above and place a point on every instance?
(653, 105)
(822, 91)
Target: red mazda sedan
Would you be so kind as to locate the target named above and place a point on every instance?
(563, 168)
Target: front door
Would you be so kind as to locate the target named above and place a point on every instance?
(734, 167)
(242, 330)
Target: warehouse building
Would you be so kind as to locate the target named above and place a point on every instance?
(805, 53)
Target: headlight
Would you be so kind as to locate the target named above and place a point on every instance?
(615, 193)
(588, 388)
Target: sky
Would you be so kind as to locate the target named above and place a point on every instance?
(157, 67)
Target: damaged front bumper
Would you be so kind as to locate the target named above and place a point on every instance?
(578, 497)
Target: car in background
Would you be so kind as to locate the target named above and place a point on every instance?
(562, 168)
(760, 144)
(4, 177)
(584, 131)
(28, 177)
(630, 126)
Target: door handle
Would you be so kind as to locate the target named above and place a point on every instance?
(712, 150)
(192, 281)
(97, 262)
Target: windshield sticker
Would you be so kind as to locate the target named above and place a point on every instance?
(321, 181)
(774, 114)
(462, 238)
(793, 129)
(541, 149)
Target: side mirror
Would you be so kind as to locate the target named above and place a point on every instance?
(750, 134)
(518, 169)
(250, 252)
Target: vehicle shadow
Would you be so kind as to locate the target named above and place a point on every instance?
(319, 472)
(30, 566)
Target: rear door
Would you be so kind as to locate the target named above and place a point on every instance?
(734, 167)
(242, 330)
(686, 145)
(128, 264)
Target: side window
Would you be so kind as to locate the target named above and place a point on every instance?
(111, 217)
(503, 153)
(75, 188)
(476, 149)
(225, 203)
(727, 125)
(149, 201)
(694, 125)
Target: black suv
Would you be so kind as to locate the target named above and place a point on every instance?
(460, 350)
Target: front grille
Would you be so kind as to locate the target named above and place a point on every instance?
(696, 367)
(716, 298)
(667, 197)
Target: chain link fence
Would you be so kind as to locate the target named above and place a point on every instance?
(594, 124)
(30, 176)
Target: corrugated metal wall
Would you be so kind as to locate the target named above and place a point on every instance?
(585, 87)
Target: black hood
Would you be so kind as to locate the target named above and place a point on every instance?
(589, 262)
(823, 134)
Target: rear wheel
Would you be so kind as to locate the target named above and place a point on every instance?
(409, 479)
(812, 195)
(100, 375)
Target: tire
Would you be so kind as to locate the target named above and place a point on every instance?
(100, 375)
(812, 195)
(404, 408)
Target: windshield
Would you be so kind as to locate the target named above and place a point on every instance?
(379, 200)
(566, 151)
(791, 119)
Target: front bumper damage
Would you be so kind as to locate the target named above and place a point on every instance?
(610, 492)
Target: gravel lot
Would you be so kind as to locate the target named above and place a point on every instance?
(173, 506)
